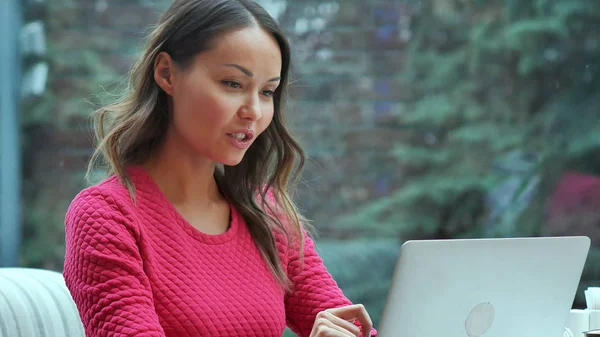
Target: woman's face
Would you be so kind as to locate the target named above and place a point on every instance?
(223, 100)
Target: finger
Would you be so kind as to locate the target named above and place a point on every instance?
(346, 325)
(357, 311)
(327, 328)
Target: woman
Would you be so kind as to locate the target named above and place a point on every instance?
(194, 233)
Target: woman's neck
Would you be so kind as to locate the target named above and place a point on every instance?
(183, 178)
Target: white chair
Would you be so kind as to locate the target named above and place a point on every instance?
(36, 303)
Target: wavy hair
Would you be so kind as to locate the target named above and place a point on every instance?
(129, 130)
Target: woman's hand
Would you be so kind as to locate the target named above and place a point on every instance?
(339, 322)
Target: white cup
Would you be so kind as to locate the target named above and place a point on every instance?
(579, 321)
(594, 319)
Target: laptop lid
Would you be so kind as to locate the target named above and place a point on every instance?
(509, 287)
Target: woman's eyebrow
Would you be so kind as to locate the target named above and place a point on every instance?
(247, 72)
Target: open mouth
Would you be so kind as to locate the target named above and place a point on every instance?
(240, 136)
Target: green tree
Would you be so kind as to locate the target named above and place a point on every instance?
(491, 79)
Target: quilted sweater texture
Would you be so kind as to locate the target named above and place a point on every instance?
(140, 269)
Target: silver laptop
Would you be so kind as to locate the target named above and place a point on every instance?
(517, 287)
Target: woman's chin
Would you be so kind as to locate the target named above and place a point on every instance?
(231, 161)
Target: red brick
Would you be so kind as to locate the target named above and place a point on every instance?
(73, 139)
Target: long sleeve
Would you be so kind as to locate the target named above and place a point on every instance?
(314, 290)
(103, 269)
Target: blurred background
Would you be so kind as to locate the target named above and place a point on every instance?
(422, 119)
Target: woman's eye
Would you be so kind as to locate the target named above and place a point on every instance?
(233, 84)
(268, 93)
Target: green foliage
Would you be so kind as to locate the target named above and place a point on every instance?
(490, 78)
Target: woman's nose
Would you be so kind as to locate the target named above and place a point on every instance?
(251, 110)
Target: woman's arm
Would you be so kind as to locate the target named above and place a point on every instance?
(315, 293)
(103, 269)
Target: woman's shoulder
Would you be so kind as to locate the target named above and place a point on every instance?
(110, 186)
(113, 190)
(107, 196)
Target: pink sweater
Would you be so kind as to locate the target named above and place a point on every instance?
(142, 270)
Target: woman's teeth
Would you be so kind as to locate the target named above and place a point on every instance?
(239, 136)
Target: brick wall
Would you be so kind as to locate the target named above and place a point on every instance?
(347, 55)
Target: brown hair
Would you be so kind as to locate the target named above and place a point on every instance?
(129, 130)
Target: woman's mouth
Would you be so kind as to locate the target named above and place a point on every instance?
(241, 140)
(239, 136)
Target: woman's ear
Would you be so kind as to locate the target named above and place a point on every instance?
(163, 72)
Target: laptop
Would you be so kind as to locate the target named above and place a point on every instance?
(509, 287)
